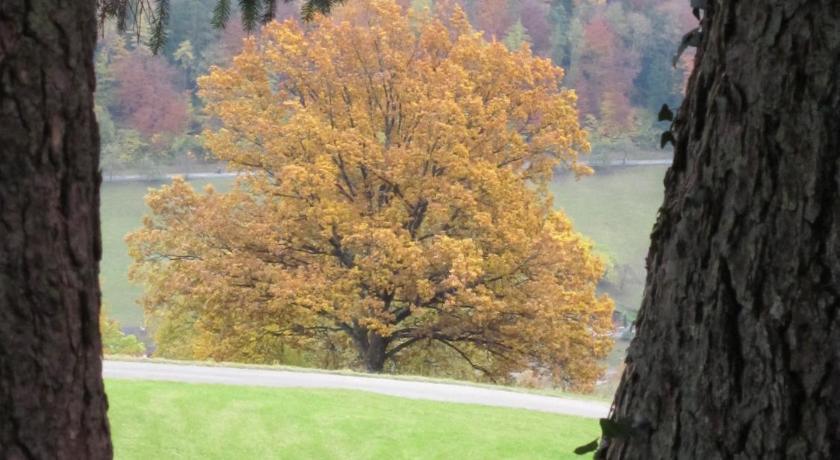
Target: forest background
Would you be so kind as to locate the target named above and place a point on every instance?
(617, 56)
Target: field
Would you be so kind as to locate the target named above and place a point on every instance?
(616, 208)
(178, 420)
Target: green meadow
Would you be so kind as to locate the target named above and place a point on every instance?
(159, 420)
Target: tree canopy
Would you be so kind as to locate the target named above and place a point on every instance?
(393, 202)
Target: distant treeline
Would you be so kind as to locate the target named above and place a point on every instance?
(617, 56)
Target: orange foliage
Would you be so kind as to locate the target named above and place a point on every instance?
(395, 203)
(607, 68)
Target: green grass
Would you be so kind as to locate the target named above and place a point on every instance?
(178, 420)
(122, 211)
(616, 208)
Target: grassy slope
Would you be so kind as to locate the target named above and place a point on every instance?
(615, 208)
(177, 420)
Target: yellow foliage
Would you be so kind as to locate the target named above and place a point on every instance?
(395, 194)
(115, 341)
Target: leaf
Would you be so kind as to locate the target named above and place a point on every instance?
(666, 138)
(692, 38)
(587, 448)
(665, 113)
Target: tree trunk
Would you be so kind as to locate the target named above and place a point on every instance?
(52, 402)
(371, 347)
(737, 353)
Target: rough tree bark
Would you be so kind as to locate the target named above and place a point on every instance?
(738, 347)
(52, 403)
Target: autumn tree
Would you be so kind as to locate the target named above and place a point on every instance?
(52, 401)
(394, 201)
(493, 18)
(534, 16)
(147, 98)
(606, 68)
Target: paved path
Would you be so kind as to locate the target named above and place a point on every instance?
(403, 388)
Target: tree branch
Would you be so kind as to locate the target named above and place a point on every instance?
(402, 345)
(475, 366)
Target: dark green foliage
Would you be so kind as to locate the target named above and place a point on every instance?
(159, 24)
(658, 81)
(221, 14)
(561, 16)
(269, 10)
(250, 13)
(191, 20)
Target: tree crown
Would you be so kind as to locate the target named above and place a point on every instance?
(395, 202)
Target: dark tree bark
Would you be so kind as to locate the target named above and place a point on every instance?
(737, 353)
(371, 348)
(52, 402)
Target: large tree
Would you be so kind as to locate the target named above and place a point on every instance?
(396, 196)
(52, 403)
(738, 346)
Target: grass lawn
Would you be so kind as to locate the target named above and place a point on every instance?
(616, 208)
(177, 420)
